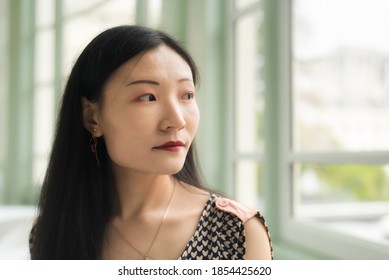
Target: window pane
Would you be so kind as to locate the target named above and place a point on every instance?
(340, 75)
(44, 57)
(45, 13)
(85, 19)
(44, 116)
(341, 183)
(154, 13)
(350, 199)
(249, 84)
(3, 95)
(241, 4)
(249, 186)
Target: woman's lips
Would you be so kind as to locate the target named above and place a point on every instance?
(171, 146)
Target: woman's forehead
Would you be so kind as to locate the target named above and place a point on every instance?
(161, 61)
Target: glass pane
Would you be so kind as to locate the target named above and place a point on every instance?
(3, 89)
(249, 84)
(44, 56)
(154, 13)
(249, 186)
(340, 75)
(241, 4)
(44, 116)
(351, 199)
(45, 13)
(341, 183)
(85, 19)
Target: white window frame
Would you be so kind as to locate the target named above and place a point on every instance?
(235, 156)
(310, 235)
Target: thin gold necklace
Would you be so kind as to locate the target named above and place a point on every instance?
(146, 255)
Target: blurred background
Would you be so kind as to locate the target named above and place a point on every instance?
(294, 97)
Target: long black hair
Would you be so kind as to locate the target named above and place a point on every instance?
(77, 197)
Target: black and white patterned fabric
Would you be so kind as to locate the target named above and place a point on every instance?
(219, 235)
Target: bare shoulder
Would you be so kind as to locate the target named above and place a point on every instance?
(257, 238)
(258, 243)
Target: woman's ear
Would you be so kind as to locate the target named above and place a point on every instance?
(90, 114)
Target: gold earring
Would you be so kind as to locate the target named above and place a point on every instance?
(93, 145)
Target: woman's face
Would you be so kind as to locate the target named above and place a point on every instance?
(149, 115)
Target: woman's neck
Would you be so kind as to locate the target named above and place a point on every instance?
(139, 193)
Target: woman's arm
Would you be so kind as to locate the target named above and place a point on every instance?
(258, 244)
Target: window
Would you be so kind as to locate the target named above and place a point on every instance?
(3, 89)
(45, 95)
(50, 35)
(248, 102)
(336, 147)
(62, 32)
(82, 21)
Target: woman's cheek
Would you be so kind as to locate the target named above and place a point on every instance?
(194, 115)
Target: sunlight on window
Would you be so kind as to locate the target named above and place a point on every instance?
(3, 100)
(249, 175)
(250, 84)
(241, 4)
(340, 87)
(249, 105)
(341, 76)
(44, 95)
(80, 21)
(154, 13)
(342, 183)
(83, 20)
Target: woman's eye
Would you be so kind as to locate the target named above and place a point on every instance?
(188, 96)
(147, 98)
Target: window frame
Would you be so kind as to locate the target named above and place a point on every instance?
(302, 232)
(236, 14)
(18, 129)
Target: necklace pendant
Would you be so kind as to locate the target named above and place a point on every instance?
(147, 258)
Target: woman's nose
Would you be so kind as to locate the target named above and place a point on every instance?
(173, 117)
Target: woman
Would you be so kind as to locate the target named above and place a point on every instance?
(122, 181)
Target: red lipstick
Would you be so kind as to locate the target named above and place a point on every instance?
(171, 146)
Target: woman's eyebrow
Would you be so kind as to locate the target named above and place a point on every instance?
(185, 80)
(151, 82)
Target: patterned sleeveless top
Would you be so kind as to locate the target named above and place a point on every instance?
(220, 231)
